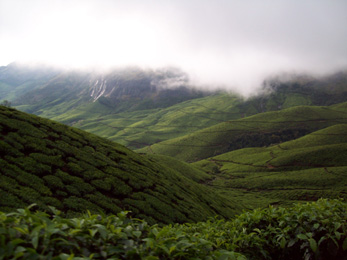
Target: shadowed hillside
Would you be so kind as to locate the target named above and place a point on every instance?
(48, 163)
(307, 168)
(259, 130)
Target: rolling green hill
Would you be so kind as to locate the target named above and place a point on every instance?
(142, 125)
(259, 130)
(136, 129)
(138, 108)
(48, 163)
(307, 168)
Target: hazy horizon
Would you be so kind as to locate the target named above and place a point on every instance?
(234, 44)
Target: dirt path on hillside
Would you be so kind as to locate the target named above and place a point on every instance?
(268, 164)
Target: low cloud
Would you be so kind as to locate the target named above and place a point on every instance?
(230, 44)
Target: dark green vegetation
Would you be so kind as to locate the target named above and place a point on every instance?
(305, 231)
(260, 130)
(307, 168)
(48, 163)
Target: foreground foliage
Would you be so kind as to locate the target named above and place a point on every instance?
(306, 231)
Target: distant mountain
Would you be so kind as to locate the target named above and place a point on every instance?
(139, 108)
(293, 90)
(118, 90)
(48, 163)
(16, 79)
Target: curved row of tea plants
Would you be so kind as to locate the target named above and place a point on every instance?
(311, 231)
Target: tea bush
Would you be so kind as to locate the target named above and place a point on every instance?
(305, 231)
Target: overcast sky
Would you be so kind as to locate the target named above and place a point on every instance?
(219, 42)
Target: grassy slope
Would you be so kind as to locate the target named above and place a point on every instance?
(142, 127)
(141, 120)
(48, 163)
(307, 168)
(254, 131)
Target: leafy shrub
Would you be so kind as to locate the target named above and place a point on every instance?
(34, 182)
(121, 189)
(52, 201)
(46, 159)
(9, 200)
(92, 174)
(7, 149)
(12, 139)
(78, 204)
(72, 190)
(67, 178)
(83, 187)
(27, 194)
(110, 205)
(28, 235)
(306, 231)
(74, 168)
(53, 182)
(102, 184)
(310, 231)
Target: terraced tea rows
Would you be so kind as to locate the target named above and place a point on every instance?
(47, 163)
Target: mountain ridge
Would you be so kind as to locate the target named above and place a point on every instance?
(138, 108)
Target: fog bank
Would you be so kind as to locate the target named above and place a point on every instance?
(222, 43)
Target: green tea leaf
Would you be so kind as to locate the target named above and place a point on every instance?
(344, 245)
(338, 235)
(283, 242)
(313, 244)
(291, 242)
(35, 241)
(137, 233)
(302, 236)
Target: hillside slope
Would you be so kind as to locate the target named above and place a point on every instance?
(138, 122)
(307, 168)
(255, 131)
(138, 107)
(136, 129)
(16, 80)
(118, 90)
(48, 163)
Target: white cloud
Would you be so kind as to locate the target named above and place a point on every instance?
(231, 43)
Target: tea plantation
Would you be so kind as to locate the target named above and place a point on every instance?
(48, 163)
(305, 231)
(259, 130)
